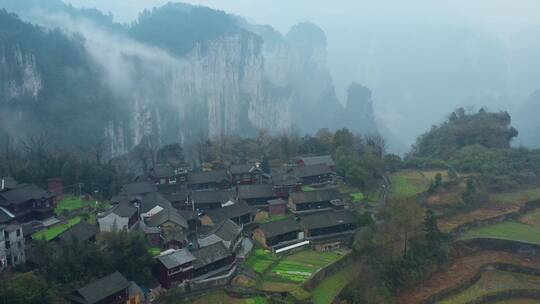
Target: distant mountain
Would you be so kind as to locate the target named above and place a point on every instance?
(180, 73)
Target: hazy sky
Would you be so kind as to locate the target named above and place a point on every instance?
(358, 53)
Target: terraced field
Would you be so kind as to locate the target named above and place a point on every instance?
(260, 260)
(300, 266)
(507, 231)
(326, 292)
(461, 270)
(494, 281)
(223, 298)
(499, 204)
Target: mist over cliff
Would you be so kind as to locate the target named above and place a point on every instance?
(180, 73)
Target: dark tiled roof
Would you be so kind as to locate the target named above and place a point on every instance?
(280, 177)
(9, 182)
(227, 230)
(327, 219)
(138, 188)
(312, 170)
(244, 169)
(23, 193)
(255, 191)
(81, 232)
(278, 201)
(124, 209)
(280, 227)
(174, 235)
(318, 160)
(175, 259)
(151, 200)
(103, 288)
(314, 196)
(162, 171)
(233, 211)
(210, 254)
(177, 197)
(214, 176)
(167, 215)
(5, 216)
(218, 196)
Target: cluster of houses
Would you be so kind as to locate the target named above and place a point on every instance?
(200, 219)
(203, 222)
(20, 206)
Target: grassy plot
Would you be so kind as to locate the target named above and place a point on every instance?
(274, 218)
(408, 183)
(507, 231)
(260, 260)
(300, 266)
(492, 282)
(70, 203)
(308, 189)
(54, 231)
(223, 298)
(531, 218)
(519, 301)
(154, 251)
(333, 285)
(499, 204)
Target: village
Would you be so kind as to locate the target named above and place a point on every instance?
(205, 228)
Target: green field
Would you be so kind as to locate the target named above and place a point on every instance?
(494, 281)
(333, 285)
(260, 260)
(56, 230)
(308, 189)
(408, 183)
(223, 298)
(517, 196)
(70, 203)
(300, 266)
(274, 218)
(506, 231)
(154, 251)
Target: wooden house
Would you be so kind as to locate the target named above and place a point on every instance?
(212, 258)
(240, 213)
(314, 174)
(174, 267)
(322, 224)
(247, 174)
(208, 180)
(207, 200)
(279, 232)
(25, 202)
(112, 289)
(313, 200)
(256, 195)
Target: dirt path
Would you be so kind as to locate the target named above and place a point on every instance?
(461, 270)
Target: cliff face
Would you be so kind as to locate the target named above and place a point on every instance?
(179, 74)
(19, 78)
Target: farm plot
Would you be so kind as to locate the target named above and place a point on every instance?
(326, 292)
(531, 218)
(70, 203)
(494, 281)
(56, 230)
(260, 260)
(507, 231)
(408, 183)
(300, 266)
(461, 270)
(498, 204)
